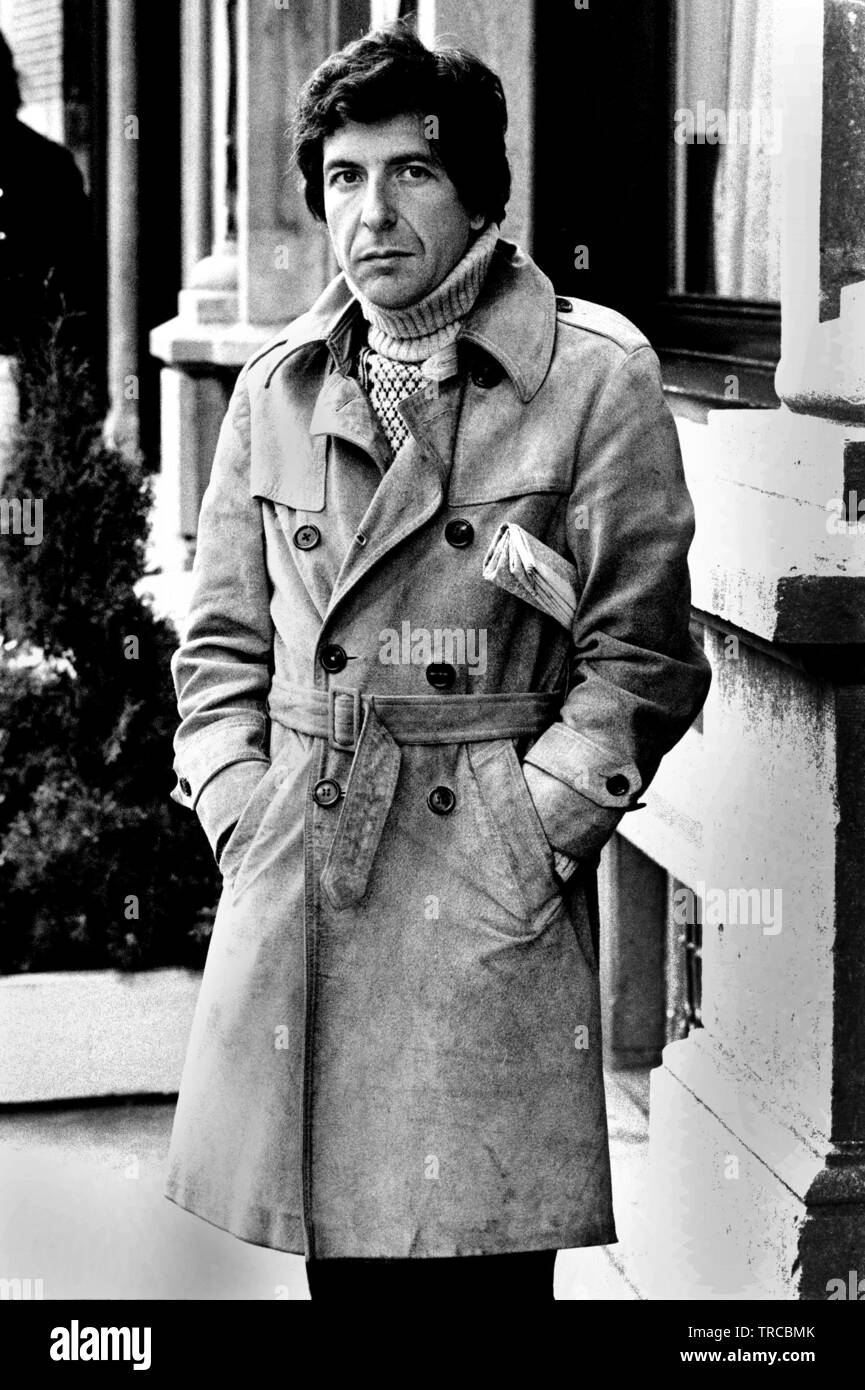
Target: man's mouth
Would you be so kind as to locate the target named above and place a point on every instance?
(384, 254)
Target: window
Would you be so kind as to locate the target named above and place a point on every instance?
(718, 328)
(681, 238)
(726, 160)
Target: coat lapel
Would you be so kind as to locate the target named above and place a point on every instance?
(411, 491)
(344, 412)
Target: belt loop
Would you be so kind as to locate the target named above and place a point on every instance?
(342, 700)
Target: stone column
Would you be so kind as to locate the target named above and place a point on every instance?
(211, 295)
(504, 37)
(196, 134)
(123, 224)
(757, 1120)
(822, 368)
(268, 261)
(349, 19)
(194, 395)
(283, 263)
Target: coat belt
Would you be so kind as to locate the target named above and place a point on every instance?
(373, 727)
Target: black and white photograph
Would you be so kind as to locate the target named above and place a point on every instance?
(432, 667)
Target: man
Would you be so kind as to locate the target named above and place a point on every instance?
(396, 1056)
(46, 255)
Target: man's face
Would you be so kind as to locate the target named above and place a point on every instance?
(394, 217)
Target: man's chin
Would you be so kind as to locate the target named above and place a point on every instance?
(387, 289)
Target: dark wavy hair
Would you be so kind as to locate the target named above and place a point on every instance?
(389, 72)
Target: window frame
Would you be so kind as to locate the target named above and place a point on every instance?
(703, 340)
(616, 192)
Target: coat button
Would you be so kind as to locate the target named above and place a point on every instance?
(617, 785)
(441, 800)
(441, 675)
(185, 787)
(332, 657)
(326, 792)
(459, 533)
(487, 373)
(563, 305)
(307, 537)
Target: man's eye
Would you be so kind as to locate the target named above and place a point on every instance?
(345, 176)
(417, 172)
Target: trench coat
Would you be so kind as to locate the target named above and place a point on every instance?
(396, 1050)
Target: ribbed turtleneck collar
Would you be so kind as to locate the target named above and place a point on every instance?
(416, 332)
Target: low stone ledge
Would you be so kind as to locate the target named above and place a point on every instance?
(83, 1033)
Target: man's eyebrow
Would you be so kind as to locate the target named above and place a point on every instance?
(407, 157)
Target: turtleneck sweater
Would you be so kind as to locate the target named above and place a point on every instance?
(419, 330)
(411, 347)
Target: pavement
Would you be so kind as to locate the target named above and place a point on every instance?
(82, 1210)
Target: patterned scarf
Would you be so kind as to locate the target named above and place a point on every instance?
(412, 347)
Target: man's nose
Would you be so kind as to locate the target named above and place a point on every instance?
(378, 208)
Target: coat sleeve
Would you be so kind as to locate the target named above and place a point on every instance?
(637, 677)
(222, 667)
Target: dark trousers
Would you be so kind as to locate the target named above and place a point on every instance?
(526, 1276)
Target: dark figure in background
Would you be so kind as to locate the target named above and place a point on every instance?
(46, 272)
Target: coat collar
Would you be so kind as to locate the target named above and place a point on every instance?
(513, 319)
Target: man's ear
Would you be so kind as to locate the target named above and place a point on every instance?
(476, 221)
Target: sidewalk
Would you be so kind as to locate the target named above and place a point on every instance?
(81, 1208)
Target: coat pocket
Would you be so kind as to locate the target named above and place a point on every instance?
(499, 777)
(243, 835)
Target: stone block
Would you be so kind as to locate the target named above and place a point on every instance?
(193, 407)
(721, 1222)
(769, 833)
(769, 555)
(94, 1033)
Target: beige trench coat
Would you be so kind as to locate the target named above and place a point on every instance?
(397, 1048)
